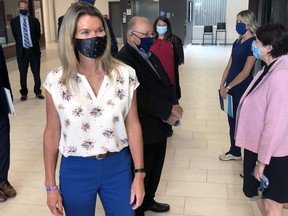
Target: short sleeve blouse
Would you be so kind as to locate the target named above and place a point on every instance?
(92, 125)
(240, 53)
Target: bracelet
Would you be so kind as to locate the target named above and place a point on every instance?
(141, 170)
(259, 163)
(52, 188)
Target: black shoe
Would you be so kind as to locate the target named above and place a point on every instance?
(23, 98)
(158, 207)
(40, 96)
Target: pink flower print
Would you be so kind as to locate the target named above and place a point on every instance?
(96, 111)
(67, 123)
(88, 145)
(61, 106)
(132, 80)
(71, 149)
(78, 111)
(115, 119)
(124, 141)
(120, 93)
(85, 127)
(88, 96)
(78, 80)
(108, 133)
(111, 103)
(120, 80)
(65, 136)
(67, 95)
(56, 70)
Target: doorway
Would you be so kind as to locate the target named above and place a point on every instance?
(116, 20)
(146, 8)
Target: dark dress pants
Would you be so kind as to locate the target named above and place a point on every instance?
(234, 150)
(29, 56)
(4, 147)
(154, 156)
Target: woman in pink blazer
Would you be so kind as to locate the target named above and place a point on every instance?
(262, 123)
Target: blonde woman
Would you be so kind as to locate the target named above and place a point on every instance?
(238, 73)
(92, 120)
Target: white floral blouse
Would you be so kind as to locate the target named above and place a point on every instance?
(92, 125)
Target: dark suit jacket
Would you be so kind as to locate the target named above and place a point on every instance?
(35, 32)
(4, 82)
(114, 45)
(155, 96)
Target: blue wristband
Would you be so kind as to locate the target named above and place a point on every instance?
(52, 188)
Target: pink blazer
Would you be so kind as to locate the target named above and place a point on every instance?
(262, 116)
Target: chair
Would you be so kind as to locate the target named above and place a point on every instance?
(208, 30)
(221, 27)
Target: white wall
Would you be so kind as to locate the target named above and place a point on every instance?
(233, 7)
(52, 10)
(102, 5)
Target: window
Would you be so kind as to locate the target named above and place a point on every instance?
(8, 10)
(209, 12)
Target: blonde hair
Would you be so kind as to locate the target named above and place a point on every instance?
(249, 19)
(67, 51)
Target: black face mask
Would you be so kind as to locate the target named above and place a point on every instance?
(91, 47)
(23, 12)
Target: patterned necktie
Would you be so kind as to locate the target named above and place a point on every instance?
(25, 32)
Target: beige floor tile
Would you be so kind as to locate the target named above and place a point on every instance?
(184, 174)
(217, 207)
(25, 210)
(196, 189)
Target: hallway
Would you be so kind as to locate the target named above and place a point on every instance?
(194, 181)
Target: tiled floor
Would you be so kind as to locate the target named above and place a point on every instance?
(194, 181)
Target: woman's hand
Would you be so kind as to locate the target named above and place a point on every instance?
(137, 190)
(54, 202)
(223, 91)
(259, 170)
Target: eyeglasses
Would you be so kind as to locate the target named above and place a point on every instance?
(148, 34)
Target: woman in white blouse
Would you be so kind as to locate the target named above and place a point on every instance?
(91, 119)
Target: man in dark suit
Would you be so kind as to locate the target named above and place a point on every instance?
(157, 104)
(26, 32)
(6, 190)
(114, 45)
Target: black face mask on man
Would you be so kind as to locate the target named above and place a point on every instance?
(23, 12)
(91, 47)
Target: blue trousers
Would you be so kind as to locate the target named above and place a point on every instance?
(81, 179)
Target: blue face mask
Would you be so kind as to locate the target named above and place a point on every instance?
(145, 44)
(256, 50)
(241, 28)
(161, 29)
(23, 12)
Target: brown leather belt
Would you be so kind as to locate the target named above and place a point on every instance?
(102, 156)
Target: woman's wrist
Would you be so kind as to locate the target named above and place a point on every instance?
(259, 163)
(139, 170)
(52, 188)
